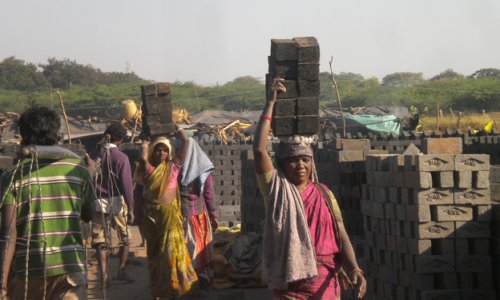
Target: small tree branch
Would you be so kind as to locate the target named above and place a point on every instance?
(64, 115)
(334, 85)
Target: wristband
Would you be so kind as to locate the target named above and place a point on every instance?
(264, 117)
(357, 270)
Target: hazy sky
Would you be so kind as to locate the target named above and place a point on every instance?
(216, 41)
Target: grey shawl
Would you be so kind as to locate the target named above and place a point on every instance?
(288, 253)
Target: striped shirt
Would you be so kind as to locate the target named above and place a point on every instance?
(49, 203)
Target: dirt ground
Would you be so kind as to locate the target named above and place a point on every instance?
(137, 268)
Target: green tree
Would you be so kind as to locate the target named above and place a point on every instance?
(486, 73)
(448, 74)
(15, 74)
(403, 79)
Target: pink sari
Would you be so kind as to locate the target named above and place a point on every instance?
(323, 238)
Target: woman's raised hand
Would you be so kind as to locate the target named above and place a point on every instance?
(277, 87)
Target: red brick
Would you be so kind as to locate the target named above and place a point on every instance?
(435, 162)
(472, 229)
(284, 49)
(483, 213)
(472, 162)
(481, 179)
(440, 295)
(435, 230)
(416, 179)
(442, 145)
(355, 144)
(473, 263)
(435, 263)
(418, 247)
(451, 213)
(432, 196)
(472, 196)
(463, 179)
(445, 179)
(418, 213)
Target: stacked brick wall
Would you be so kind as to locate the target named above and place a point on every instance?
(228, 177)
(495, 226)
(472, 143)
(427, 227)
(489, 144)
(252, 203)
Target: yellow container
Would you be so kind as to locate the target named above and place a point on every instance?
(130, 110)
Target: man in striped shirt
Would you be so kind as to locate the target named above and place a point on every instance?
(43, 201)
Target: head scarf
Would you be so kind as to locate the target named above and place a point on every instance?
(164, 141)
(296, 146)
(286, 150)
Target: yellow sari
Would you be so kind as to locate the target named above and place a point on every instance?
(170, 269)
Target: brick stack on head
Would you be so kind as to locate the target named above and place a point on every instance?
(157, 109)
(297, 62)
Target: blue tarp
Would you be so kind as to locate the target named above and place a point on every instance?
(386, 123)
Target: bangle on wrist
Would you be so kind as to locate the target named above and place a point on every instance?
(356, 270)
(264, 117)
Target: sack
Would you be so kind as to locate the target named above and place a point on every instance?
(112, 205)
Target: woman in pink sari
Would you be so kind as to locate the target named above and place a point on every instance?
(305, 241)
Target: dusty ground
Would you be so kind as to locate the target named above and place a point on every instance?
(137, 268)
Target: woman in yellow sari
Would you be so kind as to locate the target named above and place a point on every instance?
(170, 269)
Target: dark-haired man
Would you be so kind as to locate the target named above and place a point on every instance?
(43, 201)
(115, 199)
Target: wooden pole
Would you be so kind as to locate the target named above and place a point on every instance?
(437, 116)
(338, 97)
(64, 115)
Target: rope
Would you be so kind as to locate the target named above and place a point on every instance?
(44, 255)
(111, 187)
(26, 271)
(27, 241)
(7, 240)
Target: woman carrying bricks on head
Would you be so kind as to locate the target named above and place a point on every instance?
(305, 241)
(170, 269)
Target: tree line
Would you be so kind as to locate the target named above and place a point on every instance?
(88, 90)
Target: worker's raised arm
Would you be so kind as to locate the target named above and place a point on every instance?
(263, 163)
(183, 148)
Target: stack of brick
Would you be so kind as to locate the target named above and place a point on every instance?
(227, 178)
(487, 144)
(157, 109)
(495, 225)
(349, 174)
(427, 226)
(297, 62)
(252, 203)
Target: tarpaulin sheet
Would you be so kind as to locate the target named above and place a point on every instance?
(386, 123)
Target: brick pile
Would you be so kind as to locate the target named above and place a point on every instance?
(348, 177)
(297, 62)
(157, 109)
(427, 226)
(227, 160)
(252, 202)
(488, 144)
(495, 208)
